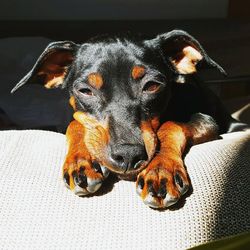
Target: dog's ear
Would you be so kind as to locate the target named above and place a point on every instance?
(52, 65)
(184, 52)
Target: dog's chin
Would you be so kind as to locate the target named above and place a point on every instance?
(130, 174)
(127, 176)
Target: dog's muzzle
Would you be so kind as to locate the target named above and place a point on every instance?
(127, 157)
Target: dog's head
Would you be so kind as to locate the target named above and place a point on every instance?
(119, 88)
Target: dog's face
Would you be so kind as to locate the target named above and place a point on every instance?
(119, 89)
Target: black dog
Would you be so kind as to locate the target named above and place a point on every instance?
(138, 106)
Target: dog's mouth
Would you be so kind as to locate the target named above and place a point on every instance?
(97, 137)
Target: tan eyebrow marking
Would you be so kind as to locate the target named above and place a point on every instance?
(72, 102)
(95, 80)
(138, 72)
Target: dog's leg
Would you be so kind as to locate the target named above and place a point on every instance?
(80, 172)
(165, 179)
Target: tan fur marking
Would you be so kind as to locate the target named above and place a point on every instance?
(95, 80)
(54, 69)
(72, 102)
(155, 123)
(78, 155)
(75, 137)
(149, 138)
(138, 72)
(96, 137)
(54, 81)
(173, 138)
(187, 60)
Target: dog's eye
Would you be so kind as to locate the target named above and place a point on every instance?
(151, 87)
(86, 91)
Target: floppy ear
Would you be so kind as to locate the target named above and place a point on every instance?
(51, 67)
(184, 52)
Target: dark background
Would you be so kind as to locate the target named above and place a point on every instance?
(26, 27)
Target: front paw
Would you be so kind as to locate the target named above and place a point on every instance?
(83, 177)
(163, 182)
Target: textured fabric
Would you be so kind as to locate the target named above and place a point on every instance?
(38, 212)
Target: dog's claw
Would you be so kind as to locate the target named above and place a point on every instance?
(168, 201)
(81, 179)
(93, 185)
(97, 167)
(80, 191)
(162, 192)
(141, 182)
(105, 171)
(151, 190)
(178, 180)
(66, 179)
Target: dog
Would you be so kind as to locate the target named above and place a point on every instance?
(138, 107)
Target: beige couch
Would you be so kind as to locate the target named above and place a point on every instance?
(38, 212)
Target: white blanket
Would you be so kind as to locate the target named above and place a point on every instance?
(38, 212)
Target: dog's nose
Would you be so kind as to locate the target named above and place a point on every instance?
(128, 156)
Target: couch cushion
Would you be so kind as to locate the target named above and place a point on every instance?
(38, 212)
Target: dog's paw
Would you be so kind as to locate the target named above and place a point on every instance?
(84, 177)
(163, 182)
